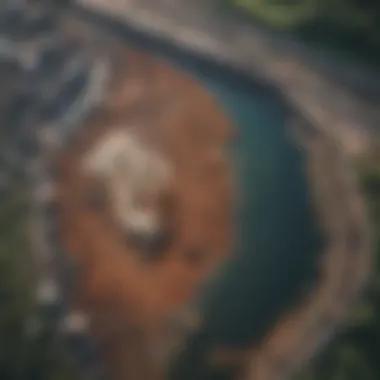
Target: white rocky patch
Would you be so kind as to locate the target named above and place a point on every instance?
(47, 292)
(130, 169)
(76, 323)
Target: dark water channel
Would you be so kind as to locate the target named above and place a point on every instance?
(277, 235)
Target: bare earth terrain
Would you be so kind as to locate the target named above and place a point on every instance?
(130, 293)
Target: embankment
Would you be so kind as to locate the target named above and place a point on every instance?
(333, 125)
(343, 270)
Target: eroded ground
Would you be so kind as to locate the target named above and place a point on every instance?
(128, 297)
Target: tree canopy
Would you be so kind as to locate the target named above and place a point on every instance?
(352, 25)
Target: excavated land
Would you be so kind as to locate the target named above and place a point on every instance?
(129, 297)
(334, 126)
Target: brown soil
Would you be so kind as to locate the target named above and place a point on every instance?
(115, 286)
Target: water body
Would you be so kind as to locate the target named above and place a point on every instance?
(277, 236)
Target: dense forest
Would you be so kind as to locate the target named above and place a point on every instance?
(350, 26)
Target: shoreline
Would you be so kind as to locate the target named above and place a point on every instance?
(344, 268)
(325, 132)
(342, 272)
(335, 123)
(120, 289)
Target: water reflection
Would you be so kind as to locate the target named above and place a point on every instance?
(277, 236)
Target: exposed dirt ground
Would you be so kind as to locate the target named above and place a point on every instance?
(116, 286)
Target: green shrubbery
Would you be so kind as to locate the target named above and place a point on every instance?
(281, 14)
(352, 26)
(348, 14)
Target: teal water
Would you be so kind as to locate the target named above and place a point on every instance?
(277, 239)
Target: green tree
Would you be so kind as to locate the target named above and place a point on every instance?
(281, 13)
(352, 26)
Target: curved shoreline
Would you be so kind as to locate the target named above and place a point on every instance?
(334, 125)
(339, 205)
(118, 278)
(344, 268)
